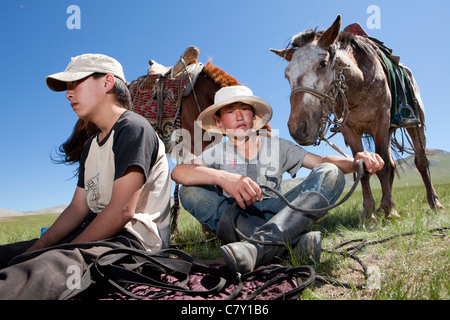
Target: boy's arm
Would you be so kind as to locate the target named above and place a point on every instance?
(372, 161)
(119, 211)
(70, 219)
(243, 189)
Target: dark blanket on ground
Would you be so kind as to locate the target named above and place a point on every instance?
(200, 281)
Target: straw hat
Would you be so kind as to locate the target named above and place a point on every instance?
(232, 94)
(82, 66)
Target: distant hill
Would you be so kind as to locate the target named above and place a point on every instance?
(11, 213)
(407, 174)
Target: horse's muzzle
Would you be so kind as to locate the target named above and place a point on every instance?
(301, 133)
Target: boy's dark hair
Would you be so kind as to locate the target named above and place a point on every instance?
(70, 151)
(121, 91)
(218, 111)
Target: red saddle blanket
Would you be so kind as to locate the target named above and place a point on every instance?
(158, 98)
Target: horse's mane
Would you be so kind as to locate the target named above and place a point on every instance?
(219, 76)
(305, 37)
(344, 40)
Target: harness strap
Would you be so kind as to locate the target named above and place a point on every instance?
(329, 100)
(122, 266)
(311, 91)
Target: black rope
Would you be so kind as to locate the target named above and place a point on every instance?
(361, 244)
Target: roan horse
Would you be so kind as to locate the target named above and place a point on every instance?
(338, 74)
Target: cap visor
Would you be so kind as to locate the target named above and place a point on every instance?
(58, 81)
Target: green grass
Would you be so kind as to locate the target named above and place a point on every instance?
(14, 229)
(412, 267)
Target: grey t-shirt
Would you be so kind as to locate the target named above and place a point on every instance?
(275, 156)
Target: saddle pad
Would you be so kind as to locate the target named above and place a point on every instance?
(145, 92)
(396, 91)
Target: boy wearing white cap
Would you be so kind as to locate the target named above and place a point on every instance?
(123, 184)
(232, 172)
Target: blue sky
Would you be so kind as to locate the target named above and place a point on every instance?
(237, 35)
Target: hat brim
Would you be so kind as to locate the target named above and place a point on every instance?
(263, 113)
(58, 81)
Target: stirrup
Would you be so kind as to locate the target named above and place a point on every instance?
(408, 121)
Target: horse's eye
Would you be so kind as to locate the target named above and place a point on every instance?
(323, 63)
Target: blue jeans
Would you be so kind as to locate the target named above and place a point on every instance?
(207, 203)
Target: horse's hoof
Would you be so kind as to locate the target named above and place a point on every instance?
(437, 206)
(392, 214)
(369, 220)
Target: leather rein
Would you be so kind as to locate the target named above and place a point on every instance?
(328, 101)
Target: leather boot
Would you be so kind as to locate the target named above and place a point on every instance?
(285, 227)
(236, 222)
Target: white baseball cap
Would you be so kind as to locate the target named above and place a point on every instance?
(82, 66)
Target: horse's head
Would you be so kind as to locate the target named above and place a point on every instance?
(311, 56)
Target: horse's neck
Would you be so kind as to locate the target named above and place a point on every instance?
(363, 76)
(366, 95)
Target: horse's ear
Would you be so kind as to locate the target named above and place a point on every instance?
(285, 53)
(330, 35)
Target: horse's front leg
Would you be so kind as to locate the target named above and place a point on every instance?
(368, 214)
(387, 174)
(355, 144)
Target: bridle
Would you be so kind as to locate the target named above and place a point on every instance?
(328, 101)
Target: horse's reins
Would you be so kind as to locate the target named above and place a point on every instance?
(328, 101)
(361, 172)
(306, 212)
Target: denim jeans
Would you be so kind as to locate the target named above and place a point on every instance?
(207, 203)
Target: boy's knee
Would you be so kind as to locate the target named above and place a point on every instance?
(331, 172)
(329, 180)
(187, 194)
(190, 196)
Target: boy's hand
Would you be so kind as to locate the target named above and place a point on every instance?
(372, 161)
(243, 189)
